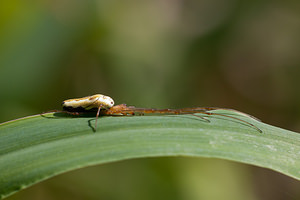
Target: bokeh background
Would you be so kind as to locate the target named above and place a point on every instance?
(242, 54)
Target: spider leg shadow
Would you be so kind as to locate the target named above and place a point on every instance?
(60, 114)
(90, 125)
(223, 117)
(216, 116)
(235, 118)
(192, 117)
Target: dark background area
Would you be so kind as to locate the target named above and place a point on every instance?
(241, 54)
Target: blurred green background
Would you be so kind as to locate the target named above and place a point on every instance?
(242, 54)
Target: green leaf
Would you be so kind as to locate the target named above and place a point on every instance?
(38, 147)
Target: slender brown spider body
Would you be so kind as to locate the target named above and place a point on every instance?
(125, 110)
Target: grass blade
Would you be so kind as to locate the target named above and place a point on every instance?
(35, 148)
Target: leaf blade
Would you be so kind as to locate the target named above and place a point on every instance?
(39, 147)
